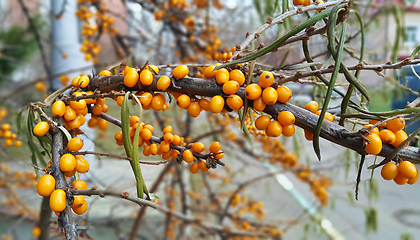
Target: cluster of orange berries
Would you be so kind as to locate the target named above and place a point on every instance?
(313, 107)
(6, 133)
(255, 207)
(40, 86)
(179, 4)
(404, 173)
(306, 2)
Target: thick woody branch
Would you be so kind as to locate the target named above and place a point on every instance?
(304, 119)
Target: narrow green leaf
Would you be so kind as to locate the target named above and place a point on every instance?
(301, 66)
(125, 125)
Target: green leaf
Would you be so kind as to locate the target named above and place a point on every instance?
(406, 236)
(125, 125)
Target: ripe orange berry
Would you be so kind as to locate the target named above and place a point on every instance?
(209, 73)
(79, 185)
(18, 143)
(134, 120)
(374, 130)
(41, 129)
(216, 104)
(389, 171)
(146, 150)
(194, 109)
(154, 68)
(146, 77)
(274, 129)
(197, 147)
(400, 137)
(414, 179)
(328, 116)
(259, 104)
(230, 87)
(194, 168)
(203, 167)
(174, 154)
(375, 145)
(158, 101)
(45, 185)
(373, 122)
(82, 165)
(164, 147)
(103, 124)
(286, 118)
(180, 72)
(168, 129)
(312, 106)
(8, 142)
(288, 130)
(58, 109)
(92, 122)
(131, 78)
(284, 94)
(183, 101)
(219, 155)
(146, 99)
(176, 140)
(168, 137)
(269, 95)
(205, 104)
(266, 79)
(234, 102)
(5, 127)
(261, 123)
(238, 76)
(75, 144)
(96, 109)
(407, 169)
(187, 156)
(395, 125)
(387, 136)
(80, 210)
(36, 232)
(83, 81)
(222, 76)
(153, 148)
(104, 73)
(67, 162)
(253, 91)
(75, 81)
(78, 201)
(215, 147)
(308, 135)
(146, 134)
(58, 200)
(163, 83)
(400, 179)
(120, 100)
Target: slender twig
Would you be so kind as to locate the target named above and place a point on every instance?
(359, 175)
(117, 156)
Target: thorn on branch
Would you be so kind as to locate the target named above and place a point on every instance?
(269, 20)
(247, 34)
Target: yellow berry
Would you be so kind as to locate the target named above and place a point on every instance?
(41, 128)
(58, 200)
(180, 72)
(45, 185)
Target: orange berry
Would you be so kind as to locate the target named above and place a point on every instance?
(146, 150)
(375, 145)
(75, 144)
(167, 129)
(45, 185)
(187, 156)
(253, 91)
(18, 143)
(70, 174)
(400, 137)
(216, 104)
(387, 136)
(120, 100)
(103, 124)
(238, 76)
(163, 83)
(153, 148)
(286, 118)
(153, 68)
(41, 129)
(197, 147)
(82, 165)
(183, 101)
(174, 154)
(266, 79)
(36, 232)
(75, 81)
(158, 101)
(222, 76)
(168, 137)
(146, 134)
(209, 73)
(194, 109)
(219, 155)
(67, 162)
(230, 87)
(389, 171)
(373, 122)
(70, 114)
(284, 94)
(104, 73)
(288, 130)
(215, 147)
(118, 135)
(194, 168)
(131, 78)
(83, 81)
(274, 129)
(146, 77)
(58, 200)
(8, 142)
(234, 102)
(146, 99)
(92, 122)
(308, 135)
(79, 185)
(312, 106)
(205, 104)
(261, 123)
(176, 140)
(202, 165)
(400, 179)
(374, 130)
(78, 201)
(164, 147)
(259, 104)
(407, 169)
(134, 120)
(96, 109)
(269, 95)
(395, 125)
(414, 179)
(58, 109)
(5, 126)
(80, 210)
(180, 72)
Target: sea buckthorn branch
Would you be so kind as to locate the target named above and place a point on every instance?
(304, 119)
(117, 156)
(65, 220)
(44, 218)
(146, 203)
(278, 20)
